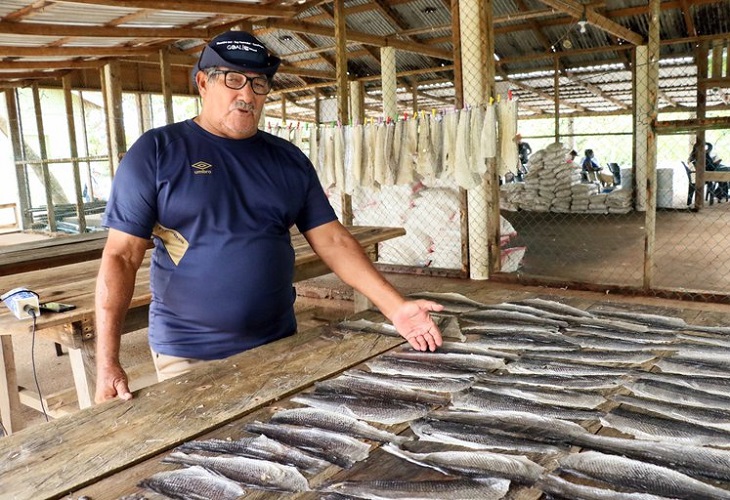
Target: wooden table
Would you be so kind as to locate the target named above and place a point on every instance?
(74, 284)
(103, 451)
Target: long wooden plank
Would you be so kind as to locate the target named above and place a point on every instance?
(104, 439)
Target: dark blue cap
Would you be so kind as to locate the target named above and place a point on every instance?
(237, 50)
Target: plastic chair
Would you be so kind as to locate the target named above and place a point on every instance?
(616, 171)
(711, 189)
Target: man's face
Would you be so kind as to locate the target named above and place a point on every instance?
(227, 112)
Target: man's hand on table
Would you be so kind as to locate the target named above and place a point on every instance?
(414, 323)
(112, 382)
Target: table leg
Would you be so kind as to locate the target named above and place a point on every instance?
(9, 398)
(83, 366)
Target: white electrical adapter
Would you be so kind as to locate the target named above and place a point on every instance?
(21, 302)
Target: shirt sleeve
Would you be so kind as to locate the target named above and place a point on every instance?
(132, 205)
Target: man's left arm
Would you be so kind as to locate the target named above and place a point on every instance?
(345, 257)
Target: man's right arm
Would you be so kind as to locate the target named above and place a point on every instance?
(122, 257)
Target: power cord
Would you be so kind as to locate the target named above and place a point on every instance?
(31, 311)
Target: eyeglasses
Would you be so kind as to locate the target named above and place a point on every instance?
(261, 85)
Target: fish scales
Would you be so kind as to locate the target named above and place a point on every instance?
(193, 483)
(486, 328)
(474, 348)
(639, 476)
(337, 422)
(480, 437)
(708, 417)
(700, 353)
(429, 384)
(260, 447)
(719, 341)
(670, 322)
(470, 399)
(251, 472)
(378, 410)
(653, 428)
(354, 386)
(608, 344)
(522, 341)
(516, 468)
(454, 489)
(334, 447)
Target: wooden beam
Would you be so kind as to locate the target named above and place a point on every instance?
(73, 149)
(576, 10)
(61, 30)
(47, 185)
(166, 84)
(217, 7)
(358, 37)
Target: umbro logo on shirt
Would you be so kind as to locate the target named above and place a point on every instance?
(202, 167)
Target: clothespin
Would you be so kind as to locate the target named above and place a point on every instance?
(499, 97)
(509, 94)
(433, 111)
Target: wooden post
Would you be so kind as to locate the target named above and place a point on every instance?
(343, 113)
(16, 139)
(556, 86)
(115, 114)
(50, 209)
(701, 55)
(166, 82)
(651, 148)
(71, 124)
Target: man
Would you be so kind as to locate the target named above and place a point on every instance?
(219, 197)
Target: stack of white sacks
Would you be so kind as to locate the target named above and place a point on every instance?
(553, 184)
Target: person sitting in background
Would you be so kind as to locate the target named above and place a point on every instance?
(572, 156)
(712, 164)
(590, 166)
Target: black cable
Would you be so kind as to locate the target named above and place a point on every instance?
(31, 311)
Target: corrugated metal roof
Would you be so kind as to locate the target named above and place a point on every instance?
(528, 32)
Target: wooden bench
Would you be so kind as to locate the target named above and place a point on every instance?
(75, 283)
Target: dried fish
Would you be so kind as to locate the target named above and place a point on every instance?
(423, 383)
(464, 362)
(596, 358)
(538, 428)
(676, 393)
(513, 317)
(492, 328)
(453, 489)
(334, 447)
(578, 382)
(700, 353)
(453, 302)
(382, 411)
(669, 322)
(260, 447)
(521, 341)
(557, 486)
(333, 421)
(609, 344)
(709, 417)
(557, 307)
(544, 367)
(193, 483)
(479, 437)
(249, 472)
(690, 459)
(643, 426)
(712, 385)
(517, 468)
(720, 341)
(692, 368)
(366, 326)
(407, 367)
(475, 348)
(551, 396)
(646, 337)
(354, 386)
(475, 400)
(639, 476)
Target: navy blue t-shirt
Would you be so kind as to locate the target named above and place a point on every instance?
(220, 211)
